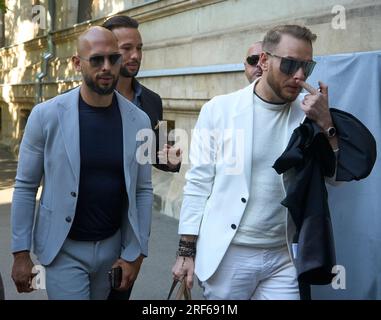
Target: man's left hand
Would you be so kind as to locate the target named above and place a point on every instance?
(315, 104)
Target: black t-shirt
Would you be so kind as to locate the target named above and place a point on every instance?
(102, 194)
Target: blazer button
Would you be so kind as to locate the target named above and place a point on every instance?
(233, 226)
(243, 200)
(73, 194)
(68, 219)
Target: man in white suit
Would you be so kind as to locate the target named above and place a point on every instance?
(95, 208)
(235, 234)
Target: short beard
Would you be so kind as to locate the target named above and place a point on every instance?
(274, 85)
(97, 89)
(126, 74)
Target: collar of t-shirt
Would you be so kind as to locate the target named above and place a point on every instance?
(84, 104)
(269, 105)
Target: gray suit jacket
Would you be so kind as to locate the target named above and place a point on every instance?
(50, 151)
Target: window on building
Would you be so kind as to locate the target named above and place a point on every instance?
(2, 29)
(84, 10)
(24, 114)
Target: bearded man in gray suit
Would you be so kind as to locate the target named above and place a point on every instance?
(95, 208)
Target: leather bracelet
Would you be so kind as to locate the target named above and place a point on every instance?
(187, 244)
(186, 254)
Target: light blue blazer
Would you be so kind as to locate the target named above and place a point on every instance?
(50, 152)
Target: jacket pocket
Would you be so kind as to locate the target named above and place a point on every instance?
(41, 228)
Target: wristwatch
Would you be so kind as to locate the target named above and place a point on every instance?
(330, 132)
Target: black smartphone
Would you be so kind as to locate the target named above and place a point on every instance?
(115, 276)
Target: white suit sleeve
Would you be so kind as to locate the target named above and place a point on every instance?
(200, 177)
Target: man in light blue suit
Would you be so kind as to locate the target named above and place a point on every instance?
(95, 208)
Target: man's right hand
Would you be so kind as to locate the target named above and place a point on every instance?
(184, 268)
(22, 271)
(170, 155)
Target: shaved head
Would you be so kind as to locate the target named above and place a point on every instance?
(94, 37)
(97, 60)
(255, 48)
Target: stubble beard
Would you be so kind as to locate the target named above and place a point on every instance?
(103, 91)
(126, 74)
(277, 89)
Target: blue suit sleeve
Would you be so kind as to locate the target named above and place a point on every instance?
(28, 178)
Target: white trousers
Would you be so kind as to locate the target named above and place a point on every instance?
(252, 273)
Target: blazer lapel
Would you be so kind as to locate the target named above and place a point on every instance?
(243, 120)
(296, 117)
(129, 134)
(69, 124)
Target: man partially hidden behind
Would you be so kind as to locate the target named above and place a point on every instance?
(95, 208)
(253, 69)
(130, 46)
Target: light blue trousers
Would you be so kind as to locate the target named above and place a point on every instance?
(80, 270)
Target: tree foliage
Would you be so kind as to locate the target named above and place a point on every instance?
(3, 6)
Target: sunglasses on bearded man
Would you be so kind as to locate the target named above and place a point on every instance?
(98, 61)
(289, 65)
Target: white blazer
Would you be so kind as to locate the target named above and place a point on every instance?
(217, 191)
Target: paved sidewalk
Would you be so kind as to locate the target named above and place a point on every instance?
(8, 166)
(154, 280)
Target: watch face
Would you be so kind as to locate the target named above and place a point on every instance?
(331, 131)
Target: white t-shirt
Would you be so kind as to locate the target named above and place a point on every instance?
(264, 221)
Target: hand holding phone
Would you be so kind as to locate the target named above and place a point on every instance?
(115, 276)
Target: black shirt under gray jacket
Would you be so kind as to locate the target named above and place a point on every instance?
(102, 192)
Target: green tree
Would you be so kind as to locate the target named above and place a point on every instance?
(3, 6)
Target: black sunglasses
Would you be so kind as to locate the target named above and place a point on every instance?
(253, 59)
(98, 61)
(289, 66)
